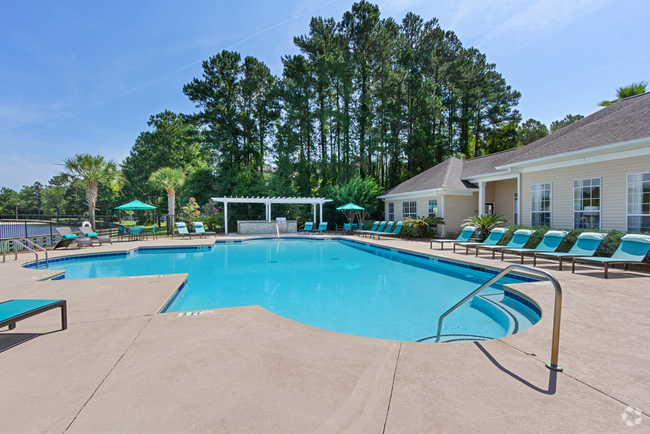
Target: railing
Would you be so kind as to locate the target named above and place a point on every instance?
(556, 316)
(19, 242)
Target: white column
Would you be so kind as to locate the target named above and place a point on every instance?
(518, 199)
(481, 198)
(225, 215)
(268, 211)
(442, 213)
(314, 213)
(321, 213)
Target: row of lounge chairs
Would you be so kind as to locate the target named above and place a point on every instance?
(199, 230)
(309, 228)
(382, 229)
(85, 240)
(632, 250)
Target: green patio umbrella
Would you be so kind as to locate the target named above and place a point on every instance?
(136, 205)
(351, 210)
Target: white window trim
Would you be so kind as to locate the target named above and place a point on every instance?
(600, 199)
(410, 213)
(429, 203)
(550, 200)
(388, 213)
(627, 200)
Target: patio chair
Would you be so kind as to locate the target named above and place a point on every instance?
(379, 229)
(182, 230)
(123, 232)
(586, 245)
(632, 250)
(136, 232)
(309, 226)
(90, 234)
(199, 229)
(386, 230)
(518, 241)
(69, 238)
(464, 236)
(492, 240)
(361, 231)
(549, 243)
(322, 227)
(394, 233)
(12, 311)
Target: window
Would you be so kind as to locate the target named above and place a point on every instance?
(409, 209)
(391, 211)
(433, 207)
(433, 211)
(586, 203)
(515, 214)
(638, 202)
(489, 208)
(540, 204)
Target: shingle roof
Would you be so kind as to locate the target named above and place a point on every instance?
(622, 121)
(443, 175)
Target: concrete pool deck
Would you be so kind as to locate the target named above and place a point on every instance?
(121, 367)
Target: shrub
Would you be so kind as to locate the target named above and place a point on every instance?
(485, 223)
(419, 227)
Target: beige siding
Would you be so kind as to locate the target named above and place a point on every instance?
(503, 198)
(457, 209)
(489, 192)
(614, 190)
(422, 207)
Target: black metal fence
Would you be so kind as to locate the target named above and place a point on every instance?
(41, 229)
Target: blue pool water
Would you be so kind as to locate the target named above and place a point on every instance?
(335, 285)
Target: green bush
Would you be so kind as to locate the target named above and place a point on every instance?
(368, 224)
(451, 235)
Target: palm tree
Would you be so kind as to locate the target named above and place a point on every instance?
(92, 170)
(168, 179)
(485, 223)
(626, 91)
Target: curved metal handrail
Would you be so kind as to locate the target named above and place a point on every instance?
(556, 316)
(18, 241)
(38, 247)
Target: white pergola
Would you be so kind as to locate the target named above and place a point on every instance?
(271, 200)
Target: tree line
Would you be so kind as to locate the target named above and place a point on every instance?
(367, 98)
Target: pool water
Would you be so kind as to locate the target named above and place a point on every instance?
(335, 285)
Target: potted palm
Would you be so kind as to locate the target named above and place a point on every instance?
(485, 223)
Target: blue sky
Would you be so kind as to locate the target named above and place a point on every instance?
(85, 76)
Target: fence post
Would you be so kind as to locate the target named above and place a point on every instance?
(25, 228)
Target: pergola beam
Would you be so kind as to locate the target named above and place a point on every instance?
(268, 201)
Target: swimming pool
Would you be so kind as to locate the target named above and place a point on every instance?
(338, 285)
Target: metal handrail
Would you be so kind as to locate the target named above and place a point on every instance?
(556, 316)
(38, 247)
(4, 253)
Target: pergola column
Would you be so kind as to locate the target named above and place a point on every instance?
(321, 213)
(314, 205)
(225, 215)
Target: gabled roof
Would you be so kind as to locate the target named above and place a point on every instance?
(443, 175)
(623, 121)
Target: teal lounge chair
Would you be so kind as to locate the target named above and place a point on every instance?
(492, 240)
(394, 233)
(379, 229)
(93, 235)
(68, 238)
(586, 245)
(182, 230)
(518, 241)
(199, 229)
(322, 227)
(307, 228)
(374, 227)
(464, 236)
(12, 311)
(633, 250)
(549, 243)
(386, 230)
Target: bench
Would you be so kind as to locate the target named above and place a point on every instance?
(12, 311)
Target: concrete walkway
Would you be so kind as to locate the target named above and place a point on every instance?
(121, 367)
